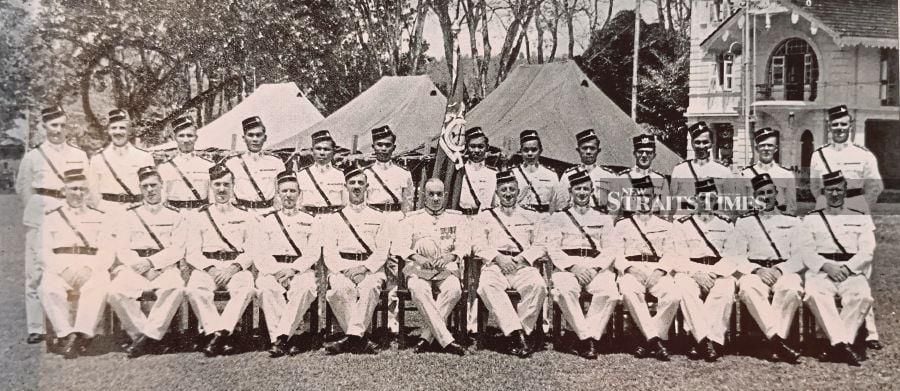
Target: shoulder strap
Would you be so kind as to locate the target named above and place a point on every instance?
(693, 172)
(643, 236)
(831, 231)
(471, 189)
(318, 188)
(259, 192)
(769, 237)
(72, 226)
(219, 231)
(114, 175)
(581, 229)
(509, 234)
(188, 183)
(753, 170)
(149, 231)
(353, 231)
(384, 185)
(822, 156)
(537, 197)
(49, 162)
(286, 235)
(703, 236)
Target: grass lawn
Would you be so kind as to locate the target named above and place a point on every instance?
(29, 367)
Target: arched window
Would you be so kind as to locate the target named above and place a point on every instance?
(793, 71)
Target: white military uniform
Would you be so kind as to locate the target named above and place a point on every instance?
(754, 249)
(537, 187)
(688, 172)
(582, 242)
(480, 180)
(72, 238)
(386, 184)
(257, 168)
(284, 307)
(700, 250)
(180, 170)
(39, 184)
(434, 236)
(631, 250)
(206, 248)
(660, 183)
(134, 243)
(114, 178)
(860, 168)
(329, 179)
(563, 199)
(843, 237)
(491, 240)
(605, 181)
(354, 303)
(784, 181)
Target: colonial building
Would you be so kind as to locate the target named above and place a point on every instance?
(804, 56)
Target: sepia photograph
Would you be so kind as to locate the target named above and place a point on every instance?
(449, 194)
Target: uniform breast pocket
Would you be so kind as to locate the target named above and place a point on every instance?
(139, 237)
(234, 232)
(369, 231)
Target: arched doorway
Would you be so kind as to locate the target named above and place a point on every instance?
(806, 148)
(793, 71)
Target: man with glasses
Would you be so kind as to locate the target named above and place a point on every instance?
(702, 166)
(767, 141)
(644, 154)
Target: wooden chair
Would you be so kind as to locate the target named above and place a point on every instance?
(457, 319)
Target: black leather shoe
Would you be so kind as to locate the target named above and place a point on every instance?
(659, 350)
(214, 346)
(519, 344)
(642, 351)
(710, 353)
(454, 348)
(296, 346)
(846, 354)
(279, 347)
(366, 346)
(70, 346)
(694, 353)
(342, 345)
(34, 338)
(228, 345)
(589, 349)
(138, 347)
(874, 344)
(422, 346)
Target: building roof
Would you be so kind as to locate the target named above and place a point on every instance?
(411, 105)
(855, 19)
(559, 100)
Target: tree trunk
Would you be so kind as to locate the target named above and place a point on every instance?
(570, 25)
(608, 14)
(554, 31)
(416, 40)
(539, 27)
(659, 12)
(669, 15)
(442, 10)
(486, 48)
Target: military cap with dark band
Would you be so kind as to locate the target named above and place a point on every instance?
(838, 112)
(585, 136)
(833, 178)
(251, 123)
(529, 135)
(116, 115)
(320, 136)
(474, 132)
(760, 181)
(644, 141)
(505, 177)
(698, 128)
(382, 132)
(353, 171)
(218, 171)
(642, 183)
(761, 134)
(52, 113)
(75, 174)
(147, 172)
(181, 123)
(707, 185)
(285, 176)
(578, 177)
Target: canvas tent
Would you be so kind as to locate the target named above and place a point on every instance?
(282, 107)
(559, 100)
(411, 105)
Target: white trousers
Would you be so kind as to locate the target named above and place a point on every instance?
(773, 318)
(434, 310)
(605, 296)
(284, 308)
(91, 297)
(201, 293)
(532, 291)
(667, 300)
(34, 270)
(354, 304)
(707, 318)
(126, 290)
(856, 300)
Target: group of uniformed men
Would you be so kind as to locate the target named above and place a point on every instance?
(116, 226)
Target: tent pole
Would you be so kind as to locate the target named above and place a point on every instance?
(634, 70)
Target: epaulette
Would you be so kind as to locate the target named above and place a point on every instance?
(570, 169)
(139, 149)
(607, 169)
(451, 211)
(204, 208)
(814, 211)
(170, 207)
(95, 209)
(239, 207)
(618, 219)
(135, 206)
(817, 149)
(268, 213)
(686, 160)
(370, 207)
(723, 218)
(53, 210)
(861, 147)
(527, 207)
(74, 146)
(857, 211)
(566, 208)
(684, 218)
(657, 173)
(209, 160)
(748, 214)
(786, 213)
(420, 211)
(624, 171)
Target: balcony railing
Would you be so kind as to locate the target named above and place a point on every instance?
(797, 92)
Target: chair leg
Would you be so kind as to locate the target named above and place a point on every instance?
(401, 318)
(557, 326)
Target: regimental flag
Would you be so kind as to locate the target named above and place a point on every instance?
(451, 141)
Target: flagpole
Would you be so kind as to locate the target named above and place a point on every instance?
(634, 70)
